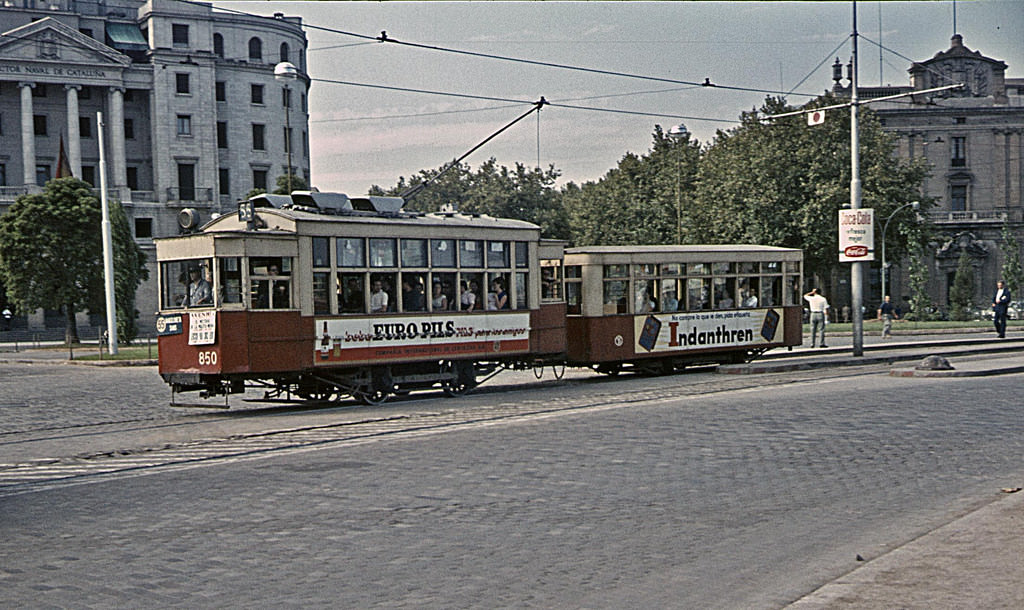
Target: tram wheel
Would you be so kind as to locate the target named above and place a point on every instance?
(464, 378)
(372, 398)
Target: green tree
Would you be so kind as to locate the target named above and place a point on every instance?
(961, 295)
(921, 305)
(782, 182)
(1012, 271)
(129, 271)
(643, 200)
(298, 184)
(522, 193)
(51, 251)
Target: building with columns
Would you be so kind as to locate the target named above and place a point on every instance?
(193, 117)
(973, 139)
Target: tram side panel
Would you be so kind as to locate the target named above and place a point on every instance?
(548, 330)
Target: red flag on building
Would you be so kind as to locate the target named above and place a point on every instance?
(63, 165)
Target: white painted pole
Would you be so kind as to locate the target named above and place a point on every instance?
(857, 268)
(108, 246)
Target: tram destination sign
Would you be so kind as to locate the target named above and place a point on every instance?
(354, 340)
(856, 235)
(703, 330)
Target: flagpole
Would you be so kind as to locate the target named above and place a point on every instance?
(108, 247)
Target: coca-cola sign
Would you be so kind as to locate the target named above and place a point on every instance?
(856, 235)
(856, 251)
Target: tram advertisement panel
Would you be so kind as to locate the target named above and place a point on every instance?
(707, 330)
(349, 340)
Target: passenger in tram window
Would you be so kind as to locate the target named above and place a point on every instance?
(351, 298)
(726, 302)
(439, 301)
(467, 300)
(378, 298)
(500, 296)
(669, 302)
(644, 303)
(474, 287)
(751, 299)
(199, 292)
(413, 298)
(279, 292)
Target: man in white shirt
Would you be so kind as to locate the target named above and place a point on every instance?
(819, 307)
(379, 298)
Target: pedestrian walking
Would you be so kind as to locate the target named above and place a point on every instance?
(1000, 305)
(819, 307)
(887, 313)
(8, 316)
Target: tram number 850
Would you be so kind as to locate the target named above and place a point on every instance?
(207, 358)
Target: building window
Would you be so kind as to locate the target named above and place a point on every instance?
(255, 50)
(958, 197)
(218, 45)
(143, 228)
(179, 35)
(286, 97)
(3, 175)
(184, 125)
(132, 176)
(258, 137)
(959, 157)
(84, 127)
(256, 94)
(285, 51)
(221, 91)
(287, 133)
(186, 181)
(259, 179)
(129, 129)
(39, 124)
(222, 134)
(224, 180)
(89, 174)
(42, 175)
(181, 84)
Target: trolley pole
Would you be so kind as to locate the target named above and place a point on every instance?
(108, 247)
(856, 268)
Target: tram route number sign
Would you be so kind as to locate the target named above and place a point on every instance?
(856, 235)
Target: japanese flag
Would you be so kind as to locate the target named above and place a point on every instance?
(816, 118)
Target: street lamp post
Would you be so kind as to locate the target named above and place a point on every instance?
(885, 227)
(286, 73)
(679, 133)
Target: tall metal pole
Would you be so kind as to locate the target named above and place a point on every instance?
(108, 245)
(288, 132)
(857, 268)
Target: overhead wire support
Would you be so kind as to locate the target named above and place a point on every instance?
(412, 192)
(863, 102)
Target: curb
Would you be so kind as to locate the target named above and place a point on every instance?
(913, 372)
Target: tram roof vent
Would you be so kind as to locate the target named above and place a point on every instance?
(380, 205)
(327, 203)
(269, 200)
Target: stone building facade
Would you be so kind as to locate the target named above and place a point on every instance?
(973, 138)
(193, 116)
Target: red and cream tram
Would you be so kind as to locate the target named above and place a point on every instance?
(320, 296)
(327, 296)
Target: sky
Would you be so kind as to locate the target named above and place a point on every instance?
(362, 136)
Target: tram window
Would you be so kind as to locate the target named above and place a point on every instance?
(497, 255)
(771, 267)
(382, 292)
(471, 253)
(615, 295)
(573, 271)
(748, 267)
(771, 290)
(697, 269)
(471, 298)
(442, 292)
(724, 291)
(748, 289)
(646, 270)
(321, 298)
(351, 252)
(186, 283)
(723, 268)
(321, 252)
(521, 290)
(382, 252)
(792, 294)
(350, 293)
(550, 282)
(522, 254)
(230, 289)
(414, 252)
(270, 282)
(698, 292)
(616, 270)
(414, 297)
(791, 266)
(498, 296)
(669, 295)
(572, 297)
(442, 252)
(672, 269)
(646, 296)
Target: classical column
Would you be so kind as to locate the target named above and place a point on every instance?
(117, 154)
(28, 135)
(74, 136)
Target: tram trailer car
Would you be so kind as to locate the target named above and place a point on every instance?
(660, 308)
(319, 296)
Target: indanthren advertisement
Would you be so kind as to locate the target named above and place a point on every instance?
(700, 330)
(355, 340)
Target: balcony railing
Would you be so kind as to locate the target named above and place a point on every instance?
(10, 193)
(969, 216)
(194, 196)
(143, 196)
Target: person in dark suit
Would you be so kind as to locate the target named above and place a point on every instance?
(1000, 304)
